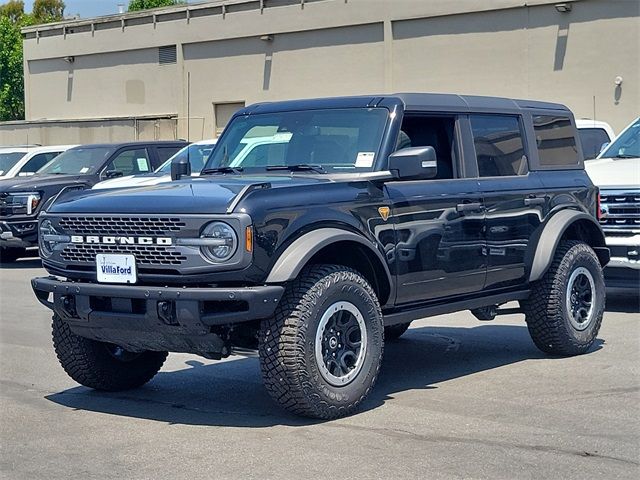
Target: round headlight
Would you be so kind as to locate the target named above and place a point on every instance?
(46, 245)
(223, 244)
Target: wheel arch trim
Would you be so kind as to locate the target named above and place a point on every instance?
(555, 229)
(301, 251)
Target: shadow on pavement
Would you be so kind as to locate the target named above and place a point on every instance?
(623, 303)
(230, 393)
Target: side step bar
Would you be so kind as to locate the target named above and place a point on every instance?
(407, 315)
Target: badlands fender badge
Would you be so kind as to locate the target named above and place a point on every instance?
(384, 212)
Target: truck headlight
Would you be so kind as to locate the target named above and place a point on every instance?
(49, 238)
(221, 242)
(23, 203)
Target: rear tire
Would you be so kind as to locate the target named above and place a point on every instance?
(320, 353)
(102, 366)
(11, 254)
(565, 309)
(394, 332)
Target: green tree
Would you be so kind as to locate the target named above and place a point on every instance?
(135, 5)
(45, 11)
(13, 9)
(11, 74)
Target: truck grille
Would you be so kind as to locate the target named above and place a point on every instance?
(143, 226)
(620, 211)
(145, 254)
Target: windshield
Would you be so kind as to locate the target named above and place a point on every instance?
(337, 140)
(198, 156)
(627, 145)
(77, 161)
(8, 160)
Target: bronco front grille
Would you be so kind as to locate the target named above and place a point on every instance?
(144, 254)
(143, 226)
(620, 211)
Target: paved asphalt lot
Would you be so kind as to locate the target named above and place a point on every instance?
(456, 398)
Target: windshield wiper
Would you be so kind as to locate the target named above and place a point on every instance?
(208, 171)
(300, 167)
(625, 155)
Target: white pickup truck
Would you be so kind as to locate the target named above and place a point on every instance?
(617, 172)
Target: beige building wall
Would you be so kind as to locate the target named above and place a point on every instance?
(236, 52)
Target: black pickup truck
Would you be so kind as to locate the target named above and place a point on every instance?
(23, 198)
(357, 216)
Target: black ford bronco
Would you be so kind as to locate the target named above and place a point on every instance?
(354, 217)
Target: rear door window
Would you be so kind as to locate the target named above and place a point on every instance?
(592, 140)
(556, 141)
(499, 145)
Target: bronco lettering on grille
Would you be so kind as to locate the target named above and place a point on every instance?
(114, 240)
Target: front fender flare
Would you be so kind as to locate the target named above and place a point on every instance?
(553, 232)
(298, 254)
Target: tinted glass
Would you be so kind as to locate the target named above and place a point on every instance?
(499, 145)
(38, 161)
(591, 140)
(8, 160)
(555, 140)
(131, 162)
(164, 153)
(339, 140)
(197, 154)
(627, 145)
(77, 161)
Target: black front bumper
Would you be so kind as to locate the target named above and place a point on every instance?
(155, 318)
(19, 234)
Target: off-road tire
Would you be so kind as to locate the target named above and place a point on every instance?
(287, 343)
(11, 254)
(91, 364)
(546, 312)
(394, 332)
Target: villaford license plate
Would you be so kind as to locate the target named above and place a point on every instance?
(113, 268)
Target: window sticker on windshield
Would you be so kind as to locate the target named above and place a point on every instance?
(365, 159)
(282, 136)
(84, 169)
(142, 164)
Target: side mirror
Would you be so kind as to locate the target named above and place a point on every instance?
(113, 174)
(180, 167)
(415, 163)
(603, 146)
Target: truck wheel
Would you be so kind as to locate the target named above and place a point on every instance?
(100, 365)
(321, 351)
(11, 254)
(394, 332)
(564, 311)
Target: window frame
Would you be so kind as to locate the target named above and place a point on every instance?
(471, 158)
(534, 159)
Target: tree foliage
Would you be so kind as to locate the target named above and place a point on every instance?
(48, 10)
(135, 5)
(12, 19)
(13, 10)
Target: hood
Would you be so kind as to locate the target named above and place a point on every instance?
(38, 182)
(133, 181)
(203, 195)
(614, 172)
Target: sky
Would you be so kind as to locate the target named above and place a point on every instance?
(88, 8)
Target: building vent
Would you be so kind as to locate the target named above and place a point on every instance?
(167, 55)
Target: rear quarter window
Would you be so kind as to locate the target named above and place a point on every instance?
(556, 141)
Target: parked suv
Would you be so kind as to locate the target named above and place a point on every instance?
(22, 161)
(617, 173)
(22, 198)
(375, 212)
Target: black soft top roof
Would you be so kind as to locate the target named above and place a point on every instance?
(410, 101)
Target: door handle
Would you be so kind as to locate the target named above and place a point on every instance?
(468, 207)
(531, 201)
